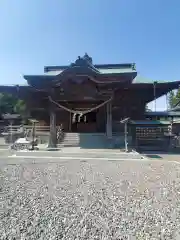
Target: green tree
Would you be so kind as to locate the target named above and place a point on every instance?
(178, 97)
(7, 102)
(20, 107)
(173, 98)
(11, 104)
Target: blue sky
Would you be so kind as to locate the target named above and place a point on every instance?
(35, 33)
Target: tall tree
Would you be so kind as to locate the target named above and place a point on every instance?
(174, 98)
(178, 97)
(7, 103)
(11, 104)
(20, 108)
(171, 99)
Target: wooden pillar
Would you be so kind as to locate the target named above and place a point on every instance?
(101, 119)
(109, 121)
(70, 122)
(52, 135)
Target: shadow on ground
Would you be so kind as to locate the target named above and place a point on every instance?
(159, 154)
(153, 156)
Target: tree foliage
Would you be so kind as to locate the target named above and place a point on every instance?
(11, 104)
(20, 107)
(173, 98)
(7, 103)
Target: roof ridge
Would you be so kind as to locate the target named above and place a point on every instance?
(107, 66)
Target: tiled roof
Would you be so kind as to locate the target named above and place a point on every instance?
(164, 114)
(175, 109)
(115, 70)
(140, 79)
(149, 122)
(102, 68)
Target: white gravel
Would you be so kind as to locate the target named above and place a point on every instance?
(90, 200)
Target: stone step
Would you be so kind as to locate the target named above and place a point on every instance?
(86, 140)
(5, 146)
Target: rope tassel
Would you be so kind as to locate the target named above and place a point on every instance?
(80, 116)
(74, 117)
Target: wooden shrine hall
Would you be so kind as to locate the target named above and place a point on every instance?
(85, 97)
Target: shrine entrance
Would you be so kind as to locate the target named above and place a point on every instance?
(85, 123)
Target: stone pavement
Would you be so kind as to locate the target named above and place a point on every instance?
(91, 199)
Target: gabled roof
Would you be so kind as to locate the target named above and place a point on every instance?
(106, 78)
(102, 73)
(99, 73)
(102, 68)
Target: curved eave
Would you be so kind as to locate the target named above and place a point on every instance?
(118, 77)
(171, 85)
(147, 90)
(38, 77)
(142, 80)
(38, 81)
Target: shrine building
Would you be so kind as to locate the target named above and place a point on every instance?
(85, 97)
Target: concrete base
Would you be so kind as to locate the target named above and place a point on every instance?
(75, 153)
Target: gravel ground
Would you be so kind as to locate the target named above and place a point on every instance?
(90, 200)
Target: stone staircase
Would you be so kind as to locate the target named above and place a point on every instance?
(70, 140)
(84, 140)
(89, 140)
